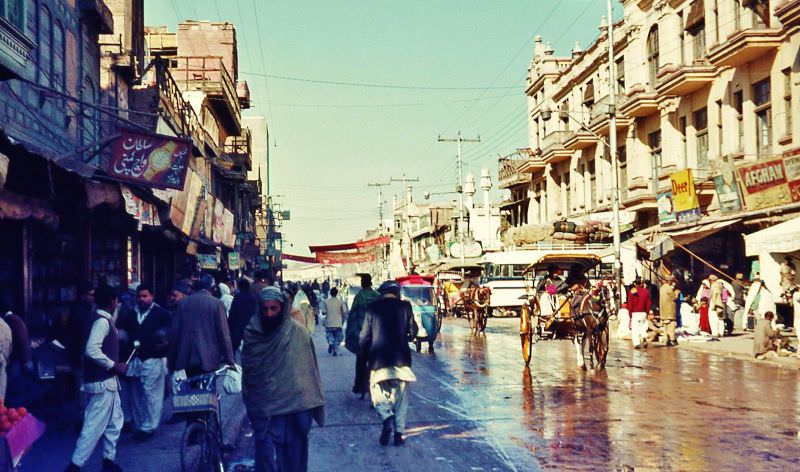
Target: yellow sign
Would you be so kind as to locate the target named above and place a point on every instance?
(684, 197)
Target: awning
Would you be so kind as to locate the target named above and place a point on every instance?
(511, 204)
(697, 15)
(662, 241)
(781, 238)
(588, 92)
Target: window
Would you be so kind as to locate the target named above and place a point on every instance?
(787, 100)
(14, 12)
(620, 75)
(590, 167)
(652, 54)
(719, 127)
(45, 47)
(701, 136)
(654, 140)
(684, 147)
(699, 41)
(761, 99)
(622, 162)
(737, 15)
(59, 56)
(682, 38)
(568, 193)
(738, 103)
(761, 12)
(715, 9)
(90, 119)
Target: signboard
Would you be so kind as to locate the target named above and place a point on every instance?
(666, 209)
(150, 160)
(228, 238)
(791, 162)
(471, 249)
(218, 225)
(684, 196)
(285, 215)
(727, 190)
(233, 261)
(143, 212)
(764, 184)
(207, 261)
(344, 257)
(184, 205)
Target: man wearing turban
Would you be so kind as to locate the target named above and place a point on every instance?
(281, 385)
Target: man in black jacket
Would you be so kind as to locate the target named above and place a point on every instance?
(387, 329)
(243, 307)
(147, 328)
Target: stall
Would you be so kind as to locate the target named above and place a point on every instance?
(771, 246)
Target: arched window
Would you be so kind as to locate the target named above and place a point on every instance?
(90, 119)
(652, 54)
(59, 55)
(45, 47)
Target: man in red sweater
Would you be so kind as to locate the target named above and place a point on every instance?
(639, 305)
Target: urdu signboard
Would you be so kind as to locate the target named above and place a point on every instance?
(150, 160)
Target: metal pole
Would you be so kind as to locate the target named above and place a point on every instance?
(460, 202)
(612, 141)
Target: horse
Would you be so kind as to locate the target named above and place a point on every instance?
(590, 328)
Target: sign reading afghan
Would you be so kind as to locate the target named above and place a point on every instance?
(764, 184)
(666, 209)
(684, 196)
(151, 160)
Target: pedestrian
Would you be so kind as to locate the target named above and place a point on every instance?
(704, 318)
(654, 328)
(639, 304)
(302, 311)
(259, 283)
(738, 302)
(243, 307)
(334, 321)
(201, 341)
(668, 310)
(690, 318)
(81, 312)
(225, 296)
(758, 302)
(281, 385)
(788, 274)
(101, 366)
(767, 339)
(146, 328)
(355, 320)
(180, 290)
(716, 313)
(388, 327)
(21, 358)
(624, 326)
(326, 288)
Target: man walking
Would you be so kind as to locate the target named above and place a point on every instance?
(180, 290)
(388, 327)
(243, 307)
(200, 329)
(147, 327)
(639, 305)
(334, 321)
(668, 310)
(355, 320)
(101, 366)
(281, 385)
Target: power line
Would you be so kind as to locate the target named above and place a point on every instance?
(373, 85)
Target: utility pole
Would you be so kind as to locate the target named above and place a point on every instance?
(380, 186)
(407, 190)
(460, 187)
(612, 144)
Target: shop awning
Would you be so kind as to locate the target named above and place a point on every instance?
(696, 15)
(781, 238)
(661, 242)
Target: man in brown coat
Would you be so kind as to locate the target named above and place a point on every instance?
(667, 309)
(201, 340)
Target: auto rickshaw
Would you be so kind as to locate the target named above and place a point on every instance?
(418, 290)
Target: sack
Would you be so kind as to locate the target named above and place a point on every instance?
(232, 380)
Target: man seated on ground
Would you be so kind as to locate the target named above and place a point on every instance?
(766, 340)
(653, 328)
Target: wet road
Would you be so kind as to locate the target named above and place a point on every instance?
(659, 409)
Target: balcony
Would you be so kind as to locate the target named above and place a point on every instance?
(14, 50)
(744, 46)
(553, 149)
(788, 13)
(97, 11)
(510, 171)
(640, 101)
(580, 139)
(243, 92)
(600, 117)
(682, 80)
(238, 149)
(208, 74)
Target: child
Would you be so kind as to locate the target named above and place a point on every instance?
(705, 323)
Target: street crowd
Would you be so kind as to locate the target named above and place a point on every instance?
(718, 308)
(128, 351)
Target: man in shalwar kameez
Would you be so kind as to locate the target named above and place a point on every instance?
(388, 327)
(281, 385)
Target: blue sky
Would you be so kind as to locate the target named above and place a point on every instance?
(452, 65)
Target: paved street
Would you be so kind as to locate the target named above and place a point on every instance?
(475, 408)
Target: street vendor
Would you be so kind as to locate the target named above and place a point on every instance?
(766, 339)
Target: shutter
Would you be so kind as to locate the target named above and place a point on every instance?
(697, 15)
(588, 92)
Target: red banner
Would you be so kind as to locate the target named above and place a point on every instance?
(344, 257)
(356, 245)
(306, 259)
(150, 160)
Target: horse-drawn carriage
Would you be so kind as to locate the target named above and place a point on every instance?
(562, 303)
(462, 295)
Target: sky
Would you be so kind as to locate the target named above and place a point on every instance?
(357, 92)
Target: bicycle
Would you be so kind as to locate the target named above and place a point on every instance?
(201, 443)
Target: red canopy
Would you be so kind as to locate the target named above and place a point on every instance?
(356, 245)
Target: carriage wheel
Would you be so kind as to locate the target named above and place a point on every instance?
(601, 347)
(527, 330)
(527, 347)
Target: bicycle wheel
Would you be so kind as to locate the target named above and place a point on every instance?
(193, 446)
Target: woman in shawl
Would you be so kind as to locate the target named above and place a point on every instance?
(225, 296)
(281, 385)
(302, 311)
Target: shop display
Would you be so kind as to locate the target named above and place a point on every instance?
(55, 274)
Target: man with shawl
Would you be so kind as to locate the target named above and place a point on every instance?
(281, 385)
(302, 311)
(388, 327)
(355, 320)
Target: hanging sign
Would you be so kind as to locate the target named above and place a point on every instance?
(207, 261)
(228, 236)
(143, 212)
(727, 189)
(233, 261)
(183, 206)
(684, 196)
(666, 208)
(344, 257)
(791, 162)
(764, 184)
(150, 160)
